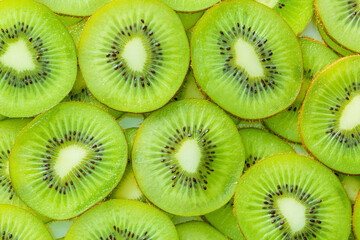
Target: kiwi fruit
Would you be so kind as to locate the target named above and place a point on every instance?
(80, 93)
(299, 149)
(134, 55)
(2, 117)
(178, 219)
(76, 30)
(69, 20)
(258, 145)
(316, 56)
(296, 13)
(78, 8)
(329, 119)
(58, 229)
(340, 21)
(189, 19)
(195, 230)
(246, 56)
(37, 59)
(189, 88)
(122, 219)
(18, 223)
(131, 120)
(75, 154)
(351, 185)
(352, 237)
(190, 5)
(288, 196)
(312, 31)
(251, 124)
(191, 150)
(356, 218)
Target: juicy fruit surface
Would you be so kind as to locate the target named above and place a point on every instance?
(190, 5)
(122, 219)
(329, 121)
(356, 218)
(246, 57)
(17, 223)
(337, 14)
(75, 155)
(316, 56)
(74, 7)
(192, 151)
(141, 58)
(37, 59)
(198, 230)
(288, 202)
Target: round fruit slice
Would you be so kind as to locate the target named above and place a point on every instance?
(330, 116)
(67, 159)
(340, 20)
(122, 219)
(134, 55)
(193, 154)
(356, 218)
(17, 223)
(37, 59)
(246, 56)
(289, 196)
(74, 7)
(190, 5)
(296, 13)
(316, 57)
(198, 230)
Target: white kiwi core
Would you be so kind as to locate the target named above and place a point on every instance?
(247, 58)
(18, 56)
(294, 213)
(68, 158)
(135, 54)
(189, 155)
(350, 116)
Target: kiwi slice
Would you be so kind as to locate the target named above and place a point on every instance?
(299, 149)
(74, 7)
(316, 57)
(67, 159)
(352, 237)
(131, 120)
(75, 32)
(189, 89)
(356, 218)
(288, 196)
(179, 219)
(312, 31)
(189, 19)
(123, 219)
(191, 150)
(246, 56)
(69, 20)
(340, 20)
(251, 124)
(195, 230)
(296, 13)
(37, 59)
(2, 117)
(58, 229)
(81, 93)
(17, 223)
(190, 5)
(351, 185)
(134, 55)
(330, 120)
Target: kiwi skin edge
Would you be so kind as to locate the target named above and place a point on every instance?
(352, 217)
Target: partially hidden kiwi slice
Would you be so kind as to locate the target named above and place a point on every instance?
(356, 218)
(179, 219)
(196, 230)
(299, 149)
(75, 32)
(58, 229)
(131, 120)
(191, 150)
(123, 219)
(190, 5)
(312, 31)
(316, 56)
(189, 19)
(288, 196)
(351, 185)
(74, 155)
(296, 13)
(189, 88)
(251, 124)
(330, 119)
(17, 223)
(340, 20)
(69, 20)
(74, 7)
(246, 56)
(80, 93)
(134, 55)
(258, 145)
(37, 59)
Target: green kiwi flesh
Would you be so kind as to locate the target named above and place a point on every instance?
(195, 230)
(75, 155)
(178, 219)
(131, 120)
(74, 7)
(190, 5)
(189, 89)
(191, 150)
(17, 223)
(122, 219)
(330, 121)
(356, 218)
(351, 185)
(340, 20)
(245, 56)
(312, 31)
(316, 56)
(37, 59)
(58, 229)
(296, 13)
(288, 196)
(251, 124)
(299, 149)
(134, 55)
(189, 19)
(69, 20)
